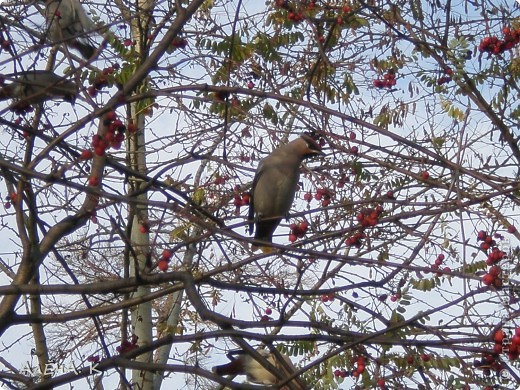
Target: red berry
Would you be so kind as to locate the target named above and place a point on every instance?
(250, 85)
(167, 254)
(162, 265)
(499, 336)
(110, 116)
(488, 279)
(268, 311)
(379, 83)
(292, 237)
(481, 236)
(425, 357)
(425, 175)
(511, 229)
(381, 382)
(352, 135)
(494, 271)
(86, 154)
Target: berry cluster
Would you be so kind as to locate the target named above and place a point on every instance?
(369, 217)
(388, 80)
(298, 230)
(102, 80)
(497, 46)
(446, 78)
(494, 257)
(327, 297)
(86, 154)
(360, 362)
(164, 260)
(343, 179)
(93, 359)
(487, 363)
(340, 373)
(179, 43)
(219, 180)
(265, 317)
(504, 343)
(114, 136)
(292, 14)
(21, 107)
(11, 199)
(128, 345)
(355, 240)
(435, 267)
(239, 199)
(395, 297)
(322, 194)
(366, 217)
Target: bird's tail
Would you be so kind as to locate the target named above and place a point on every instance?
(87, 51)
(235, 367)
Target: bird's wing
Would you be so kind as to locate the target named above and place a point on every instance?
(80, 15)
(251, 215)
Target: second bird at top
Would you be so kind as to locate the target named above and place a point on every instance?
(68, 22)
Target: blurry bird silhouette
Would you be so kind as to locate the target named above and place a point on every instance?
(68, 22)
(36, 86)
(244, 364)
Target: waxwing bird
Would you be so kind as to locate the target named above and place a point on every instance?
(244, 364)
(36, 86)
(274, 186)
(68, 22)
